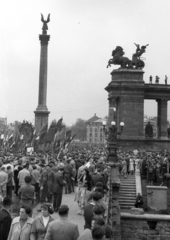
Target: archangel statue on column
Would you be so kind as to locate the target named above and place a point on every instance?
(45, 27)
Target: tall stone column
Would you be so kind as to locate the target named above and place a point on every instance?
(41, 112)
(162, 118)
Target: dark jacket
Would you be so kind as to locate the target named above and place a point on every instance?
(97, 178)
(88, 215)
(58, 183)
(38, 229)
(5, 223)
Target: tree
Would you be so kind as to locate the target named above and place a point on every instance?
(79, 128)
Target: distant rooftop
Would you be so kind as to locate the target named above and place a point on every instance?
(94, 118)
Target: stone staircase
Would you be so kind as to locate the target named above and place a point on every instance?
(127, 193)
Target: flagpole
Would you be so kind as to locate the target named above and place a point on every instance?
(58, 154)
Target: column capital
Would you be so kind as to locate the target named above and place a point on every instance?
(44, 39)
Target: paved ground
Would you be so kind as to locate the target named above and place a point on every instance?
(68, 199)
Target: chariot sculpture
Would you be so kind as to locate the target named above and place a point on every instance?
(124, 62)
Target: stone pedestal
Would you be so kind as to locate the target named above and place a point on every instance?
(157, 197)
(41, 113)
(126, 94)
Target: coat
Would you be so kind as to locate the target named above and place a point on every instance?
(17, 233)
(5, 223)
(97, 178)
(38, 229)
(58, 183)
(62, 229)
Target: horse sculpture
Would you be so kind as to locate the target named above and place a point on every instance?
(118, 58)
(125, 62)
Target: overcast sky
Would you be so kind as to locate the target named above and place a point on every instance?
(83, 35)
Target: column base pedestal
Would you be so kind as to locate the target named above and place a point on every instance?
(41, 118)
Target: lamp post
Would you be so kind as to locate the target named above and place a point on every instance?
(113, 217)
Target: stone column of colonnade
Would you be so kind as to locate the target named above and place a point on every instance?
(162, 118)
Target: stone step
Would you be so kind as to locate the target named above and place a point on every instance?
(126, 207)
(127, 176)
(128, 182)
(127, 188)
(127, 196)
(127, 185)
(127, 203)
(126, 200)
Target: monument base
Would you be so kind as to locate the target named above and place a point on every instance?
(41, 118)
(143, 144)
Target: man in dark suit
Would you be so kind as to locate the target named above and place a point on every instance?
(58, 183)
(98, 177)
(88, 209)
(62, 228)
(68, 174)
(5, 218)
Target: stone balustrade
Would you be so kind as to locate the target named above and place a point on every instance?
(145, 226)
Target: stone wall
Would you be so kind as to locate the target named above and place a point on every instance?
(136, 227)
(143, 144)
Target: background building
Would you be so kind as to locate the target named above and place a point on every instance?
(94, 130)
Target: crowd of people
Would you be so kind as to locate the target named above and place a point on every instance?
(43, 178)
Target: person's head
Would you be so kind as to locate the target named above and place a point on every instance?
(25, 166)
(108, 232)
(97, 196)
(7, 202)
(99, 170)
(27, 179)
(98, 210)
(99, 189)
(46, 209)
(3, 168)
(99, 184)
(8, 168)
(63, 211)
(98, 232)
(34, 167)
(97, 221)
(24, 212)
(61, 170)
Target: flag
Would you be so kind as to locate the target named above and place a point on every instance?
(43, 134)
(72, 138)
(68, 136)
(54, 127)
(16, 135)
(68, 143)
(59, 138)
(62, 134)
